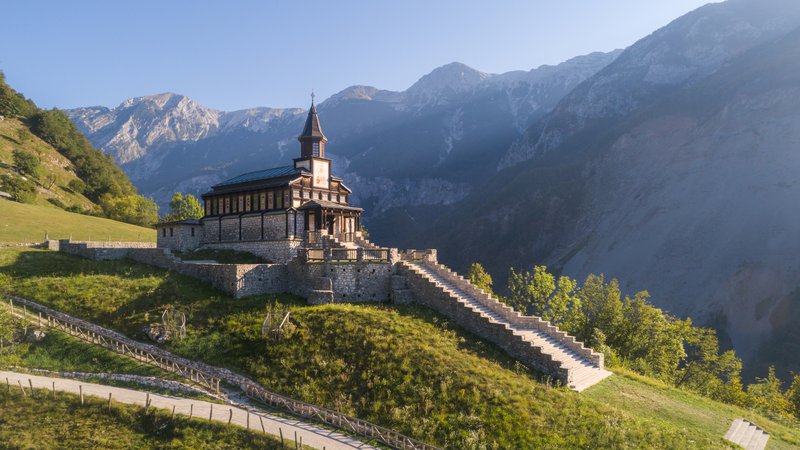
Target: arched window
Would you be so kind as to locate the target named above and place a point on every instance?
(316, 148)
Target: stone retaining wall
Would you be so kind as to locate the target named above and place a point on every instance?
(352, 282)
(434, 297)
(514, 317)
(238, 280)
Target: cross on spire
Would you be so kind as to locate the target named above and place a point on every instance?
(312, 96)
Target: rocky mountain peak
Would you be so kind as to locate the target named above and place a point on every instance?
(450, 79)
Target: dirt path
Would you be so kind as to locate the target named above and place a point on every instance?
(312, 435)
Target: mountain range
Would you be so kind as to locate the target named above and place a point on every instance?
(670, 165)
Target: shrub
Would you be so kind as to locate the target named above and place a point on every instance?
(56, 202)
(77, 186)
(27, 163)
(21, 190)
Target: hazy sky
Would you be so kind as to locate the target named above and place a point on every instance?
(238, 54)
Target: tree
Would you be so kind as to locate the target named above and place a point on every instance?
(93, 166)
(12, 103)
(76, 185)
(133, 209)
(793, 394)
(602, 308)
(766, 394)
(529, 291)
(23, 191)
(184, 207)
(27, 163)
(480, 277)
(49, 182)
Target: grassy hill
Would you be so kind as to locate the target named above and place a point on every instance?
(28, 223)
(15, 135)
(403, 367)
(44, 422)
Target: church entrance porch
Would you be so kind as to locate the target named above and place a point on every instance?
(331, 219)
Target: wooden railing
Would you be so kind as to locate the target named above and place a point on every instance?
(208, 376)
(346, 254)
(124, 348)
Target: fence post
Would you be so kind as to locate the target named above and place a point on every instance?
(295, 441)
(80, 389)
(261, 419)
(30, 383)
(172, 417)
(210, 412)
(22, 389)
(280, 430)
(230, 415)
(54, 389)
(109, 401)
(191, 410)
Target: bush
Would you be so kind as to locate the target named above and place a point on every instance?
(77, 186)
(56, 202)
(21, 190)
(27, 163)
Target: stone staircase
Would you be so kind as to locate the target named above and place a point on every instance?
(533, 341)
(747, 435)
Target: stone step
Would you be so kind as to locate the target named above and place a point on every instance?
(747, 435)
(582, 372)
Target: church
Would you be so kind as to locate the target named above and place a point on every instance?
(273, 212)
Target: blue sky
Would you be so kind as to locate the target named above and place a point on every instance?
(238, 54)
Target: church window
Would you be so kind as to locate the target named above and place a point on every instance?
(319, 196)
(227, 205)
(192, 231)
(316, 148)
(247, 203)
(241, 203)
(171, 232)
(278, 200)
(271, 200)
(263, 202)
(163, 232)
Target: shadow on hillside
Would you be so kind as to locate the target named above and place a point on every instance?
(467, 340)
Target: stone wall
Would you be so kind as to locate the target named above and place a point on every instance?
(98, 250)
(238, 280)
(434, 297)
(514, 317)
(351, 282)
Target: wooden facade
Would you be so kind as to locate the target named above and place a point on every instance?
(306, 186)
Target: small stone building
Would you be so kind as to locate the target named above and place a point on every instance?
(180, 236)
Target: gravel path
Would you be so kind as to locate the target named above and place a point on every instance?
(312, 435)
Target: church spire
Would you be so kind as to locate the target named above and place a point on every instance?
(312, 140)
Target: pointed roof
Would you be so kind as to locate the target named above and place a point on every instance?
(312, 128)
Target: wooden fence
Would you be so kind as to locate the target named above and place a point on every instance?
(111, 340)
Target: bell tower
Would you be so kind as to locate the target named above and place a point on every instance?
(312, 149)
(312, 141)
